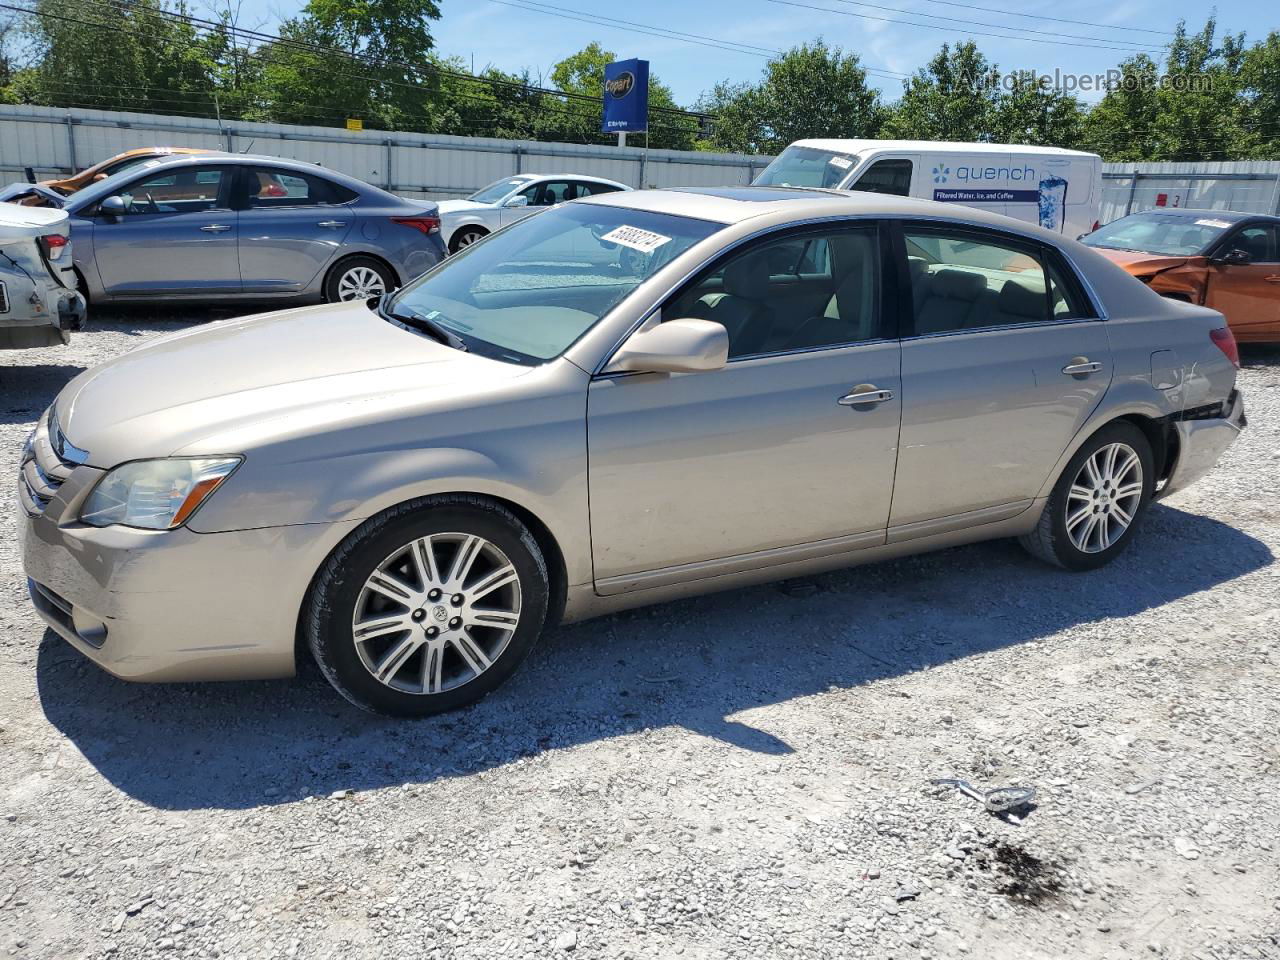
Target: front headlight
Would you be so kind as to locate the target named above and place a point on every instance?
(155, 494)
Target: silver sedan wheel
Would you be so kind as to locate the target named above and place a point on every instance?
(1104, 497)
(360, 283)
(468, 237)
(437, 613)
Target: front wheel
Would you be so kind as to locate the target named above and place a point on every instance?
(428, 606)
(1095, 506)
(465, 237)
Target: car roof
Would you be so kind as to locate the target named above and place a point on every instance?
(1232, 216)
(566, 176)
(734, 204)
(934, 146)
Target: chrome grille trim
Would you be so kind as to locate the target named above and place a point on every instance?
(47, 462)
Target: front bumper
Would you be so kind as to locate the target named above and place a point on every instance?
(1201, 442)
(170, 605)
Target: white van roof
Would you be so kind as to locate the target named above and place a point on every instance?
(20, 223)
(936, 146)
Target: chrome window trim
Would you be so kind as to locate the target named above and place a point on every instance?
(1001, 326)
(1092, 294)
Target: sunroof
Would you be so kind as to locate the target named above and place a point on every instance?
(756, 194)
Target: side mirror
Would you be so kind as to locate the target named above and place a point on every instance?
(678, 346)
(1233, 258)
(519, 200)
(112, 207)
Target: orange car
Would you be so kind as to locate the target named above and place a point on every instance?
(121, 161)
(1227, 261)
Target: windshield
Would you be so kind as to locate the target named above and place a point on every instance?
(1173, 234)
(496, 191)
(806, 167)
(526, 293)
(83, 198)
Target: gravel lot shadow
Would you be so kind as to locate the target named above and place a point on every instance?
(25, 390)
(695, 663)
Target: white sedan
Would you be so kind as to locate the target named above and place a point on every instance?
(463, 222)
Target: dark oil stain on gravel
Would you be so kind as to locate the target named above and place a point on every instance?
(1024, 878)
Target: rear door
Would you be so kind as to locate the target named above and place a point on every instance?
(1005, 360)
(178, 235)
(292, 225)
(1248, 294)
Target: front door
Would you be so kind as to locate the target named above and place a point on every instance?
(1248, 294)
(292, 225)
(711, 469)
(1005, 363)
(177, 236)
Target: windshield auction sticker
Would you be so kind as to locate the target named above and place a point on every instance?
(1221, 224)
(635, 238)
(844, 163)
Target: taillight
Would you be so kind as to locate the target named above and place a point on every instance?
(1096, 225)
(1225, 341)
(427, 225)
(53, 245)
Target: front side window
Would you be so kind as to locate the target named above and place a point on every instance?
(817, 289)
(1261, 243)
(887, 176)
(529, 291)
(806, 167)
(187, 190)
(962, 281)
(553, 192)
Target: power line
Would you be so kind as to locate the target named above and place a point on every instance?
(999, 26)
(1041, 16)
(931, 26)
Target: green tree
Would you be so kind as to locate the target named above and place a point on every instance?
(955, 97)
(1028, 112)
(1121, 127)
(1260, 97)
(813, 90)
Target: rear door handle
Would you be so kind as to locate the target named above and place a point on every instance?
(332, 224)
(865, 393)
(216, 227)
(1081, 367)
(1273, 278)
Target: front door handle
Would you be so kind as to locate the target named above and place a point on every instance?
(332, 224)
(865, 393)
(1081, 367)
(1273, 278)
(216, 227)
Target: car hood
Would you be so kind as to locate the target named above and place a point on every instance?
(1138, 262)
(232, 386)
(462, 206)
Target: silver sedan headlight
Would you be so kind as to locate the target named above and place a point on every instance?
(156, 494)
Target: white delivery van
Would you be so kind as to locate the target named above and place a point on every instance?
(1058, 189)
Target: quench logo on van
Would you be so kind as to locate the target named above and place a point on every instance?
(967, 174)
(940, 173)
(621, 85)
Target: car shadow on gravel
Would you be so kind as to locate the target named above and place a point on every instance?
(695, 664)
(26, 389)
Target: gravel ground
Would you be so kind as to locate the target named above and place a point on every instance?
(743, 775)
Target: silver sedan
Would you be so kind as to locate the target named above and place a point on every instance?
(631, 398)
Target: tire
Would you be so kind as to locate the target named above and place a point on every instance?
(358, 278)
(1079, 532)
(465, 236)
(413, 632)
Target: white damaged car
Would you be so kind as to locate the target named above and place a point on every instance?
(39, 306)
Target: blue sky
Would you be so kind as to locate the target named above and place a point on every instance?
(512, 36)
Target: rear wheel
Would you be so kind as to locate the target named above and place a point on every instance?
(358, 278)
(465, 237)
(429, 606)
(1095, 506)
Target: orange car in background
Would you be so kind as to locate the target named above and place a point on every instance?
(1224, 260)
(121, 161)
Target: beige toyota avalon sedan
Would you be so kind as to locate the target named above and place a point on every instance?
(632, 397)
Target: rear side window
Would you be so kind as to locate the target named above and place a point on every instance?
(962, 281)
(887, 176)
(587, 188)
(286, 188)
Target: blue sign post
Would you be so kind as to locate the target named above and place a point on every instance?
(626, 97)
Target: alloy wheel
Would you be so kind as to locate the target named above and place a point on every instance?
(468, 237)
(1104, 497)
(360, 283)
(437, 613)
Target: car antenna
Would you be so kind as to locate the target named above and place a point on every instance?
(249, 145)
